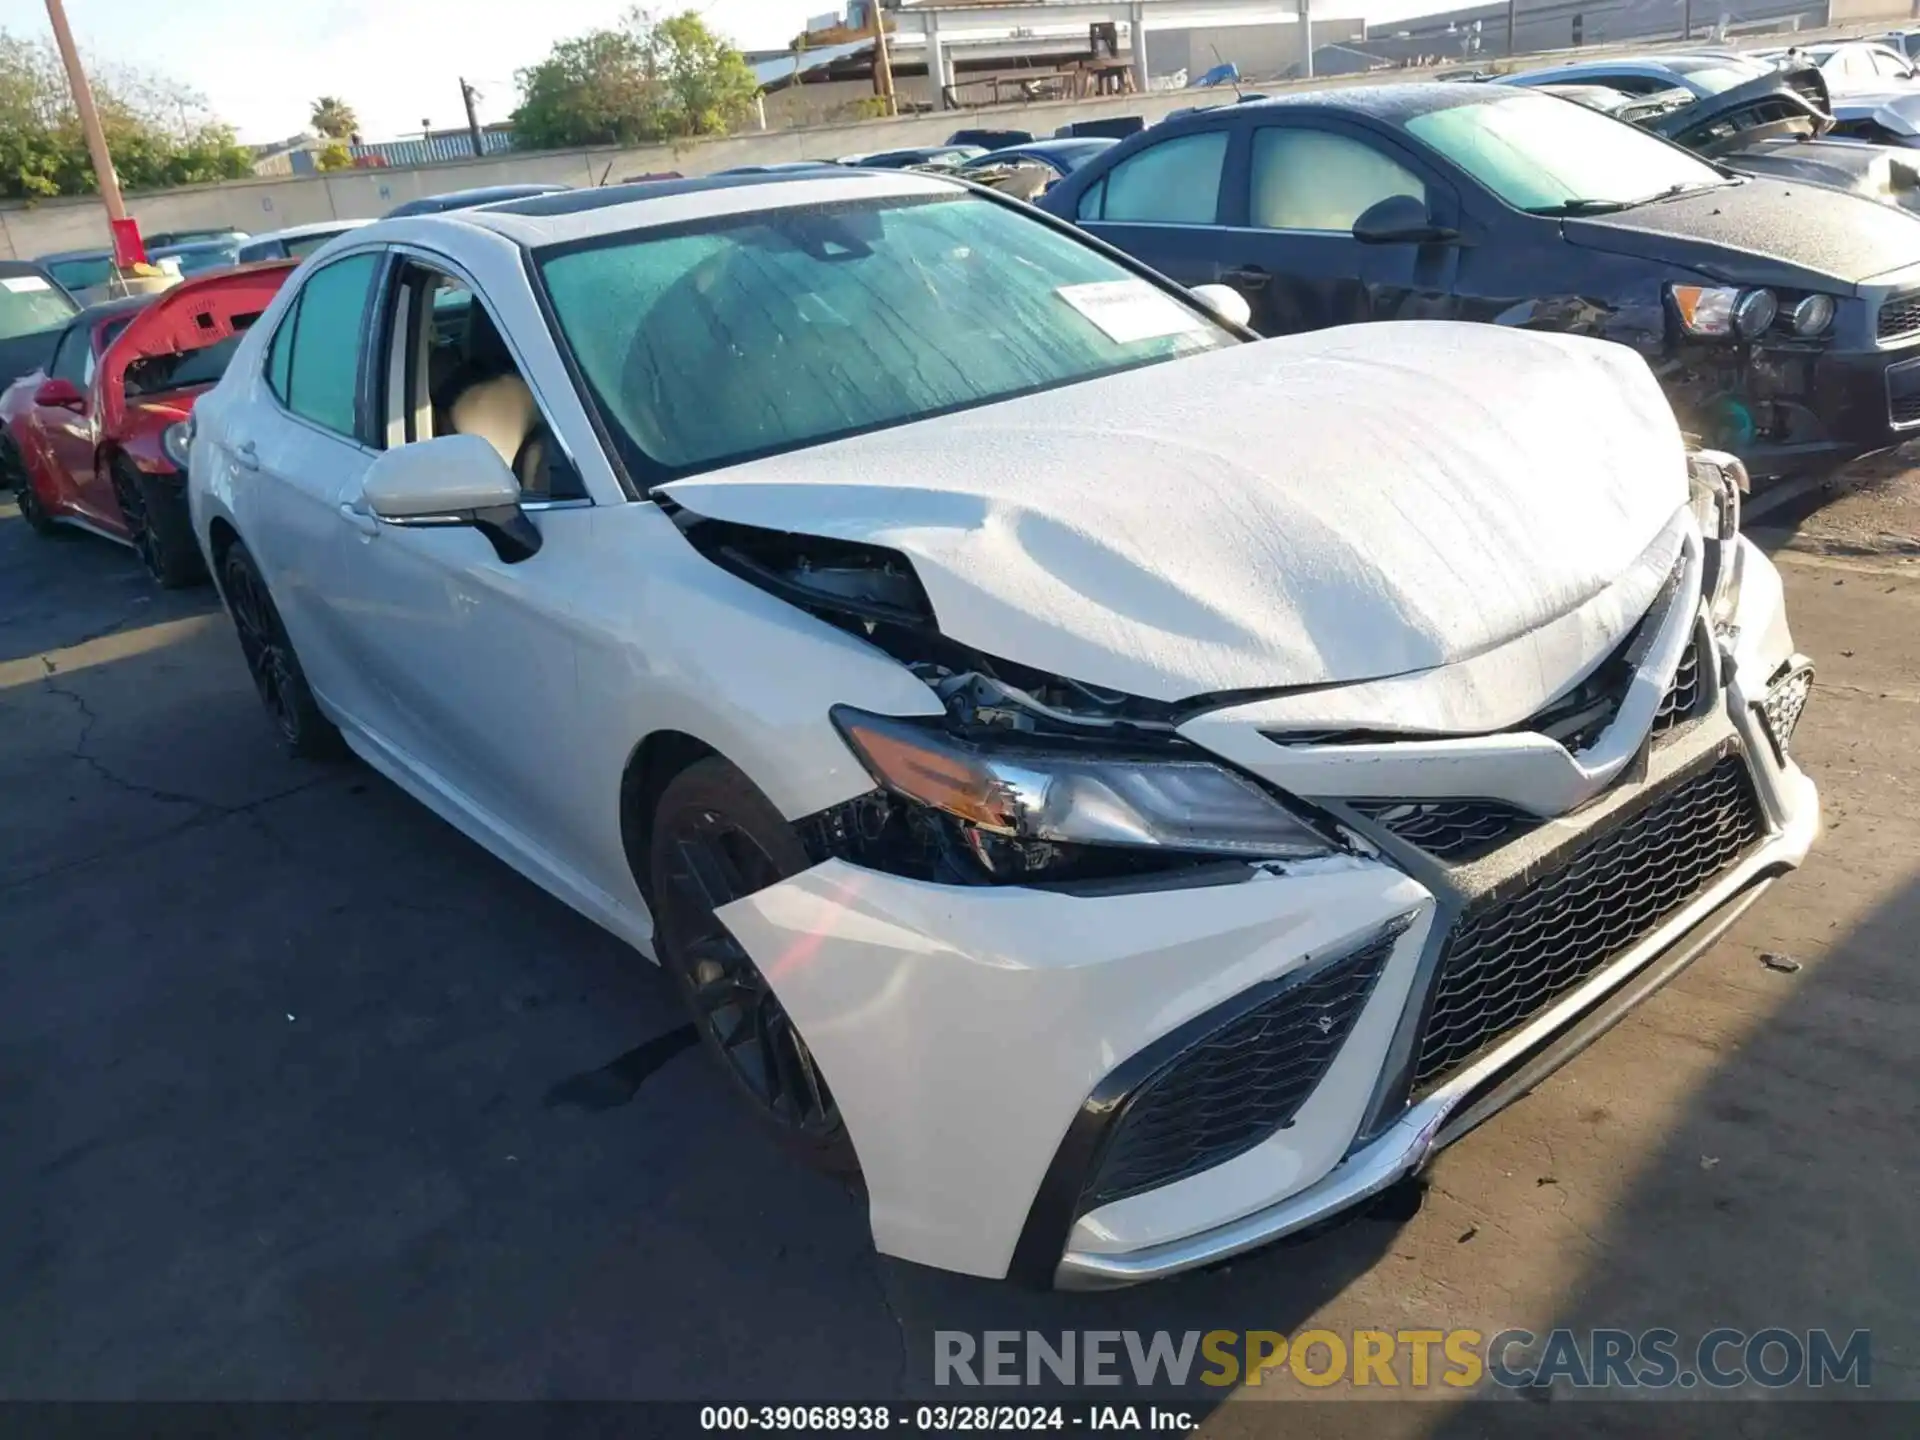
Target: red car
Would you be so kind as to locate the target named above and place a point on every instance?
(96, 439)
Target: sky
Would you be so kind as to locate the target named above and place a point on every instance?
(261, 63)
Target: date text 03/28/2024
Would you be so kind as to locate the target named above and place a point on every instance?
(945, 1419)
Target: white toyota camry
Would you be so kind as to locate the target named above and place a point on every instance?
(1130, 791)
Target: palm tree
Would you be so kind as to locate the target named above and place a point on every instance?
(334, 118)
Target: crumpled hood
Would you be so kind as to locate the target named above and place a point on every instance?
(1762, 231)
(1323, 508)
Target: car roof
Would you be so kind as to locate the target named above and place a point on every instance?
(312, 227)
(58, 256)
(108, 309)
(647, 204)
(464, 199)
(1055, 145)
(185, 246)
(1389, 102)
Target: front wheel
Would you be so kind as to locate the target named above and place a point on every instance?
(276, 671)
(13, 474)
(156, 516)
(716, 838)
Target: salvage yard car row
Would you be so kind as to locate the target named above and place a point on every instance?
(1037, 722)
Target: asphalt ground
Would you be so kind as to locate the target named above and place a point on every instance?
(305, 1096)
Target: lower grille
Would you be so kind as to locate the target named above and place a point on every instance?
(1231, 1090)
(1900, 316)
(1903, 409)
(1452, 830)
(1506, 960)
(1683, 695)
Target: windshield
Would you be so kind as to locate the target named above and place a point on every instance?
(1540, 154)
(156, 374)
(29, 305)
(1710, 75)
(770, 331)
(82, 274)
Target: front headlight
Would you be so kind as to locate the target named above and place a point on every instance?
(1812, 316)
(1722, 311)
(1031, 792)
(176, 440)
(1715, 483)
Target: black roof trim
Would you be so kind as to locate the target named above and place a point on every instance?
(573, 202)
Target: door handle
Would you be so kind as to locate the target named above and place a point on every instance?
(359, 518)
(1251, 276)
(246, 456)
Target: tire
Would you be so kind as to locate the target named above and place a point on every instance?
(13, 473)
(304, 731)
(156, 517)
(717, 838)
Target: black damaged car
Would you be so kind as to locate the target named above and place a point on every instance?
(1783, 318)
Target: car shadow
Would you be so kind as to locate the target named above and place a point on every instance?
(1781, 1196)
(63, 589)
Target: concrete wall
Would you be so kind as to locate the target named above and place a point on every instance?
(260, 205)
(1848, 12)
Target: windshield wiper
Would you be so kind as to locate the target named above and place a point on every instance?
(1685, 187)
(1580, 207)
(1607, 207)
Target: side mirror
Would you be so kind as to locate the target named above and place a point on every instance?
(453, 480)
(58, 394)
(1399, 220)
(1226, 302)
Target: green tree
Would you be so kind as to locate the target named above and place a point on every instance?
(644, 80)
(333, 117)
(157, 132)
(707, 78)
(334, 156)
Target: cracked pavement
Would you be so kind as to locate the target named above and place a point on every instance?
(279, 1054)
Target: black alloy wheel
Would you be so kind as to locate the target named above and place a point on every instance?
(13, 475)
(716, 839)
(270, 660)
(157, 525)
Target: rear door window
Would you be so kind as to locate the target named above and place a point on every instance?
(1176, 182)
(314, 363)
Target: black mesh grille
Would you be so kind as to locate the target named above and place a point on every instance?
(1453, 830)
(1240, 1084)
(1506, 960)
(1903, 409)
(1899, 316)
(1683, 695)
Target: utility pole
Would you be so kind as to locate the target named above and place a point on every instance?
(468, 94)
(882, 63)
(1510, 9)
(1686, 22)
(89, 117)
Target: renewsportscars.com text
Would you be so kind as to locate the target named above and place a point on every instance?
(1603, 1359)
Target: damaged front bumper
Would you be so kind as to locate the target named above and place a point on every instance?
(1100, 1084)
(1791, 408)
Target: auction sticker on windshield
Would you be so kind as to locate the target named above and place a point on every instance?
(1129, 310)
(20, 284)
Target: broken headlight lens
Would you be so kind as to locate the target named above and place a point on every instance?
(1028, 792)
(1722, 310)
(1715, 481)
